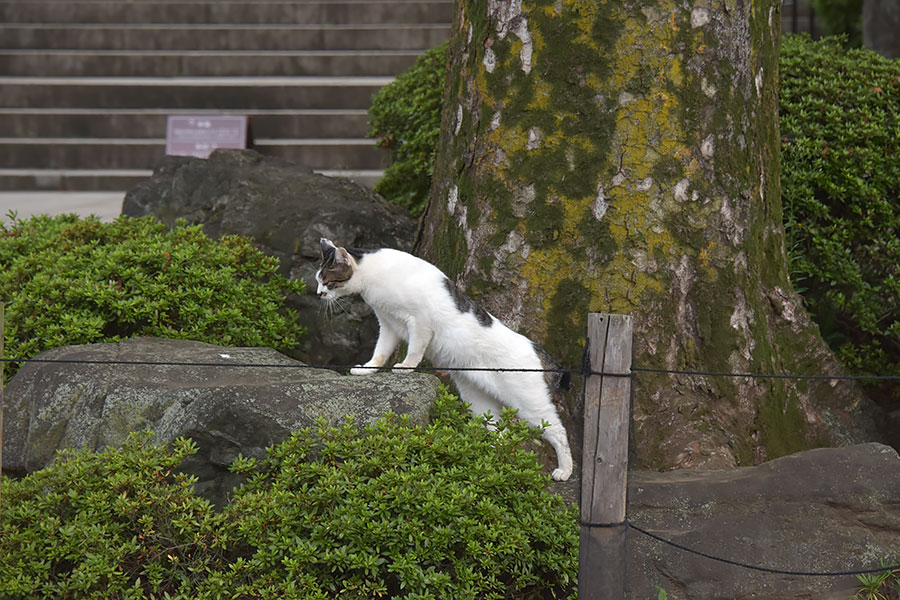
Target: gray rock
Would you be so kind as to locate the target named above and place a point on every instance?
(285, 209)
(831, 509)
(226, 411)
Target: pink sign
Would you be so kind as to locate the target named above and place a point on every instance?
(188, 135)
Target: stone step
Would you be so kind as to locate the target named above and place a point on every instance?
(270, 93)
(123, 179)
(151, 123)
(114, 153)
(225, 11)
(203, 63)
(87, 84)
(176, 36)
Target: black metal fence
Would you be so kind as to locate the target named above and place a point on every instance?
(798, 16)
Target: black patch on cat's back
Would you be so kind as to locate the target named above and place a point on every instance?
(555, 375)
(465, 304)
(358, 253)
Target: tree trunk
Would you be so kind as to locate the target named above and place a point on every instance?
(623, 157)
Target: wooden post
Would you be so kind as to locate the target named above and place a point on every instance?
(604, 466)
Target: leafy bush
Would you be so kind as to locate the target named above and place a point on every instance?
(117, 524)
(406, 118)
(840, 120)
(74, 281)
(450, 510)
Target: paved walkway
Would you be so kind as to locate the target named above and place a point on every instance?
(105, 205)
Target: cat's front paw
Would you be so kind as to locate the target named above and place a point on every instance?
(400, 368)
(362, 370)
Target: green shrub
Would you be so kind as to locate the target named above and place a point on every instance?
(406, 119)
(840, 122)
(76, 281)
(117, 524)
(449, 510)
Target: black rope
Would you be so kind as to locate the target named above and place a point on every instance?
(604, 525)
(768, 376)
(742, 565)
(233, 364)
(585, 370)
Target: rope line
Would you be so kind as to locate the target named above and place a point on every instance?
(768, 376)
(604, 525)
(233, 364)
(757, 567)
(562, 370)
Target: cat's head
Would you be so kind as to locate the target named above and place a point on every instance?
(335, 272)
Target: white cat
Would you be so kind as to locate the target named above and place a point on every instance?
(416, 303)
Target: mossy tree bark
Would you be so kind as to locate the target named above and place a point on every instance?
(623, 156)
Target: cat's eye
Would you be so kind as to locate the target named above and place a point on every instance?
(333, 283)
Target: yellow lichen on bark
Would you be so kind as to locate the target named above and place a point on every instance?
(647, 131)
(645, 70)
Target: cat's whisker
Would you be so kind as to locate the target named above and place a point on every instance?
(337, 303)
(323, 309)
(329, 307)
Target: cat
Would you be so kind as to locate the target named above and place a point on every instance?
(416, 303)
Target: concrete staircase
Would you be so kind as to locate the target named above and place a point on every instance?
(86, 85)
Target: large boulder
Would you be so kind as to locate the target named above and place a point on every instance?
(226, 410)
(285, 209)
(831, 509)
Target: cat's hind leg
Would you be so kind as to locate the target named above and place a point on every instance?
(388, 339)
(529, 394)
(556, 437)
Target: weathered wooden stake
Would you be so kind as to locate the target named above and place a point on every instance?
(607, 409)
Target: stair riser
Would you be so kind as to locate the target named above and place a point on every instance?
(145, 156)
(224, 96)
(98, 183)
(129, 38)
(61, 11)
(111, 125)
(111, 182)
(79, 64)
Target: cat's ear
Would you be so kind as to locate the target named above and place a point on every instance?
(341, 257)
(326, 246)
